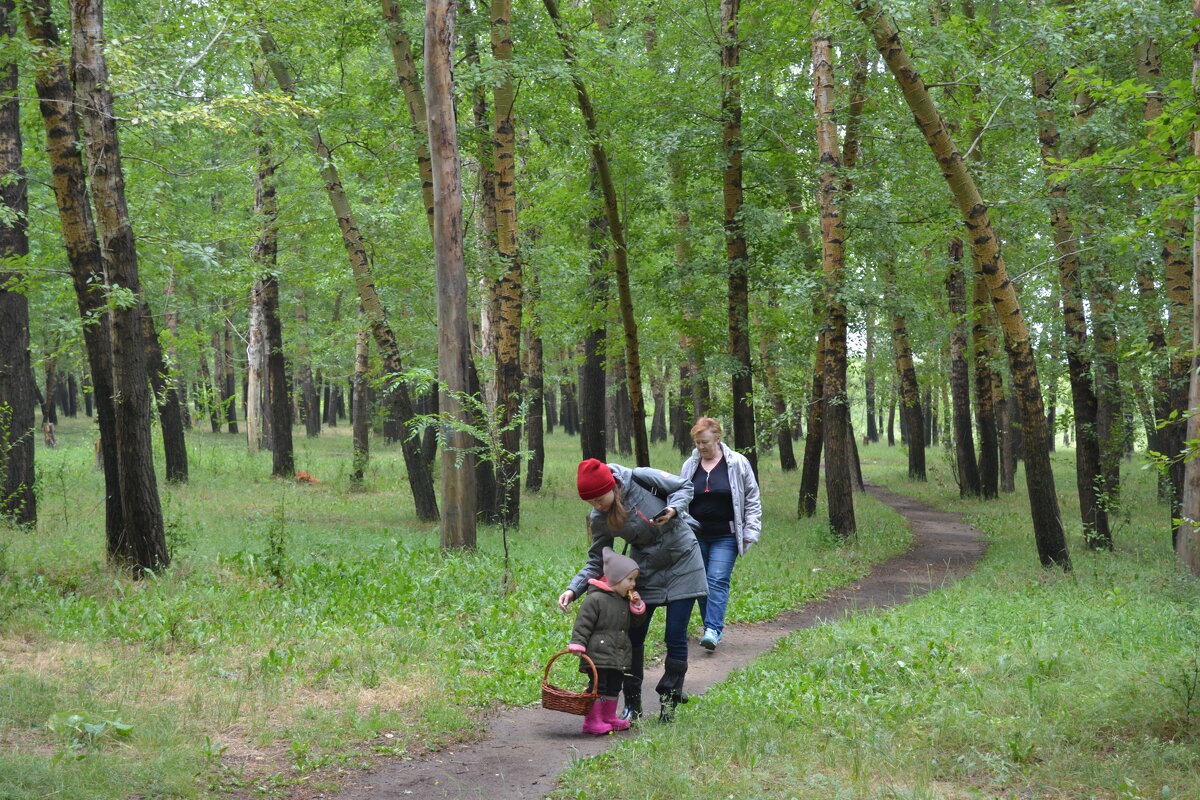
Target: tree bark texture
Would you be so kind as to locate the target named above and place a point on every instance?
(506, 290)
(960, 378)
(535, 427)
(310, 401)
(142, 546)
(593, 422)
(454, 327)
(57, 105)
(616, 230)
(18, 502)
(1049, 536)
(414, 98)
(361, 411)
(985, 410)
(419, 476)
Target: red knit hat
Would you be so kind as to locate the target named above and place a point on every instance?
(594, 479)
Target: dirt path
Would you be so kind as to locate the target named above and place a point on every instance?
(524, 750)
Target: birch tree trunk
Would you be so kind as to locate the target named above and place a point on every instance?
(1043, 499)
(839, 489)
(142, 545)
(254, 370)
(18, 502)
(985, 409)
(454, 327)
(506, 291)
(912, 422)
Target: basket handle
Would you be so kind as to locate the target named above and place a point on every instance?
(586, 657)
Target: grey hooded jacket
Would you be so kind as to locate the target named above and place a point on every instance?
(668, 556)
(747, 503)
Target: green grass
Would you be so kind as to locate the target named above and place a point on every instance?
(304, 629)
(1014, 683)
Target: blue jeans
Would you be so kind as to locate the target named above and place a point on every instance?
(719, 555)
(679, 613)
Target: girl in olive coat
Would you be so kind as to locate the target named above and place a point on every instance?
(602, 628)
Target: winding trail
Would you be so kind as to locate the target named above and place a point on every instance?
(524, 750)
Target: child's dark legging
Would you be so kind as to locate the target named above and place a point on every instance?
(679, 613)
(610, 681)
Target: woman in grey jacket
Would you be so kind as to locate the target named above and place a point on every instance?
(670, 567)
(726, 502)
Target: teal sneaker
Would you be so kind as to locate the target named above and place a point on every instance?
(710, 640)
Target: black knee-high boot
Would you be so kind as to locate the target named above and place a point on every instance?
(670, 689)
(632, 689)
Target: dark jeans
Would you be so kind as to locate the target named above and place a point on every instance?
(679, 613)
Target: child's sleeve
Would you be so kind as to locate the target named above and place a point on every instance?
(585, 623)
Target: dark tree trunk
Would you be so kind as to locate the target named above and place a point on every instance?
(229, 385)
(142, 545)
(810, 475)
(18, 502)
(361, 422)
(985, 410)
(869, 381)
(960, 379)
(535, 428)
(170, 411)
(912, 424)
(592, 418)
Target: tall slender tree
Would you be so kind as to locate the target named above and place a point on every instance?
(838, 467)
(454, 332)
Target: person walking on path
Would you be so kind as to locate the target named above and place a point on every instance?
(625, 503)
(727, 504)
(607, 614)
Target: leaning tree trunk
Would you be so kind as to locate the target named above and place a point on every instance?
(1079, 366)
(18, 502)
(506, 290)
(633, 363)
(839, 489)
(737, 258)
(960, 379)
(1043, 499)
(454, 327)
(398, 401)
(83, 250)
(142, 546)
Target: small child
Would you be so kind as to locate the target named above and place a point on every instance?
(602, 631)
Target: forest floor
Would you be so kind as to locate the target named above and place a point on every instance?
(521, 752)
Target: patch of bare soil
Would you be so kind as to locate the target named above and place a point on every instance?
(522, 751)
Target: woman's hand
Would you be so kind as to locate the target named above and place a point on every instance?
(565, 599)
(666, 515)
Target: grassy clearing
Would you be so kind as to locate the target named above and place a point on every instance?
(1014, 683)
(305, 628)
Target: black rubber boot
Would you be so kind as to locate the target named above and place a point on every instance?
(633, 708)
(670, 689)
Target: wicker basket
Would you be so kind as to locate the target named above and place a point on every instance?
(558, 699)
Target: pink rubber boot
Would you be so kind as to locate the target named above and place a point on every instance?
(595, 723)
(610, 714)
